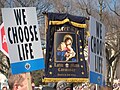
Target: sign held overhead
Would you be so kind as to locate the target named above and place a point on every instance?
(97, 52)
(24, 44)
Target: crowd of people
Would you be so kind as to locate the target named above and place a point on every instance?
(19, 82)
(116, 84)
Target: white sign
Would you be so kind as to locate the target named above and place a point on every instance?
(23, 39)
(97, 51)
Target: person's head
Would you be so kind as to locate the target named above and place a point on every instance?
(62, 85)
(68, 42)
(17, 82)
(4, 88)
(68, 39)
(61, 47)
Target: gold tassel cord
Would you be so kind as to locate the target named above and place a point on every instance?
(65, 79)
(78, 25)
(67, 20)
(59, 22)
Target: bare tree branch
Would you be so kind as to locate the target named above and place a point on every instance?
(113, 10)
(114, 57)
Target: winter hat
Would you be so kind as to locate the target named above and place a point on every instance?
(62, 85)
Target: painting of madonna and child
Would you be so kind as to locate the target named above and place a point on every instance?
(65, 47)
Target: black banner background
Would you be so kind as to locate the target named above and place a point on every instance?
(65, 69)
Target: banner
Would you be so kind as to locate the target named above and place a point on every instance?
(64, 49)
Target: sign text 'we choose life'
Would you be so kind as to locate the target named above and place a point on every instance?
(24, 44)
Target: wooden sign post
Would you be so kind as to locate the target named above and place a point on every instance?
(29, 87)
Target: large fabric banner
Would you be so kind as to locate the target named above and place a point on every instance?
(65, 49)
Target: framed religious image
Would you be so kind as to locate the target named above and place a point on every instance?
(65, 47)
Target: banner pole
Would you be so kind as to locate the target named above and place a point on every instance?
(97, 87)
(29, 87)
(46, 24)
(46, 29)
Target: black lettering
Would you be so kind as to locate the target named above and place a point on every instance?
(97, 29)
(26, 33)
(30, 47)
(9, 36)
(19, 52)
(98, 64)
(94, 45)
(26, 49)
(15, 36)
(20, 33)
(101, 47)
(24, 16)
(98, 48)
(17, 13)
(95, 63)
(32, 36)
(100, 31)
(23, 51)
(35, 31)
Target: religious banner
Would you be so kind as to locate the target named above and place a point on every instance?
(65, 49)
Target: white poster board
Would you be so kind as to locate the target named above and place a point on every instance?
(97, 52)
(23, 39)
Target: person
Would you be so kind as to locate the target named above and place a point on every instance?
(63, 85)
(4, 88)
(17, 82)
(33, 84)
(66, 51)
(70, 52)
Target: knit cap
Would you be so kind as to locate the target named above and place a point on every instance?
(62, 85)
